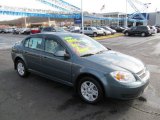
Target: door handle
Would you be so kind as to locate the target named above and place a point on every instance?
(25, 52)
(44, 57)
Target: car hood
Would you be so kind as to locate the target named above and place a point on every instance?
(101, 31)
(117, 59)
(107, 31)
(113, 30)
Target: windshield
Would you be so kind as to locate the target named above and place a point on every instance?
(59, 29)
(83, 45)
(107, 28)
(94, 28)
(99, 28)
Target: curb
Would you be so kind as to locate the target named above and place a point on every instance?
(109, 36)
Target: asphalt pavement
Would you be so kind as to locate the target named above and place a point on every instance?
(37, 98)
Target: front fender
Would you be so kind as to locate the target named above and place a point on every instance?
(91, 72)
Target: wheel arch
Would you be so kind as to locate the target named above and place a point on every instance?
(82, 75)
(95, 32)
(15, 61)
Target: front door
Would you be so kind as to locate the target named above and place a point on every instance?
(55, 66)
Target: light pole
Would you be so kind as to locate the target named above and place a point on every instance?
(118, 20)
(82, 20)
(49, 24)
(25, 22)
(126, 21)
(147, 5)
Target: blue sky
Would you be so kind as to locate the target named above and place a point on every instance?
(88, 5)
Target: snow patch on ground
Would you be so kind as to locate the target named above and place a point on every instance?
(157, 49)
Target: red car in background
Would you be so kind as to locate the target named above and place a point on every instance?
(35, 30)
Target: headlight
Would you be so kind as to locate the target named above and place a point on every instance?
(123, 77)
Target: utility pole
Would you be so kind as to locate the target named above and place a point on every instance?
(82, 20)
(147, 5)
(25, 22)
(126, 20)
(49, 21)
(118, 20)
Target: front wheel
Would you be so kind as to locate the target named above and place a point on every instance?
(126, 34)
(21, 68)
(90, 90)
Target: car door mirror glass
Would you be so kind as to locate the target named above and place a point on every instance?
(62, 54)
(109, 48)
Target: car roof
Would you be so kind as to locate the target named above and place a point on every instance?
(57, 34)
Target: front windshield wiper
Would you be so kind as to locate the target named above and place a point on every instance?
(85, 55)
(99, 52)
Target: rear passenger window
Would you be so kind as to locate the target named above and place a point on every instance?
(142, 28)
(47, 29)
(26, 43)
(89, 29)
(36, 43)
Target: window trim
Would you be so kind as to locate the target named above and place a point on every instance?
(34, 48)
(24, 42)
(55, 41)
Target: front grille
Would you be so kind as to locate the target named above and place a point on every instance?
(141, 74)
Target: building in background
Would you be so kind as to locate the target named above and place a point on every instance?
(115, 16)
(154, 18)
(112, 19)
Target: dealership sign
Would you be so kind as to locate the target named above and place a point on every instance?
(77, 20)
(140, 16)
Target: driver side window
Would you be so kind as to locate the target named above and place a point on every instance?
(52, 46)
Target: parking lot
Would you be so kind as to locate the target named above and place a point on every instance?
(37, 98)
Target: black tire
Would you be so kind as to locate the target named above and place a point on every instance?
(94, 34)
(98, 87)
(126, 34)
(143, 34)
(25, 74)
(104, 34)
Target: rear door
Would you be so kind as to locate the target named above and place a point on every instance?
(55, 66)
(85, 30)
(140, 29)
(33, 49)
(90, 31)
(134, 30)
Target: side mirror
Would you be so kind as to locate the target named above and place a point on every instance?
(109, 48)
(62, 54)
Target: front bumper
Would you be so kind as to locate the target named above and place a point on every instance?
(100, 33)
(130, 91)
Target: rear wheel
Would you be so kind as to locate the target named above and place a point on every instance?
(21, 68)
(143, 34)
(104, 34)
(90, 90)
(95, 34)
